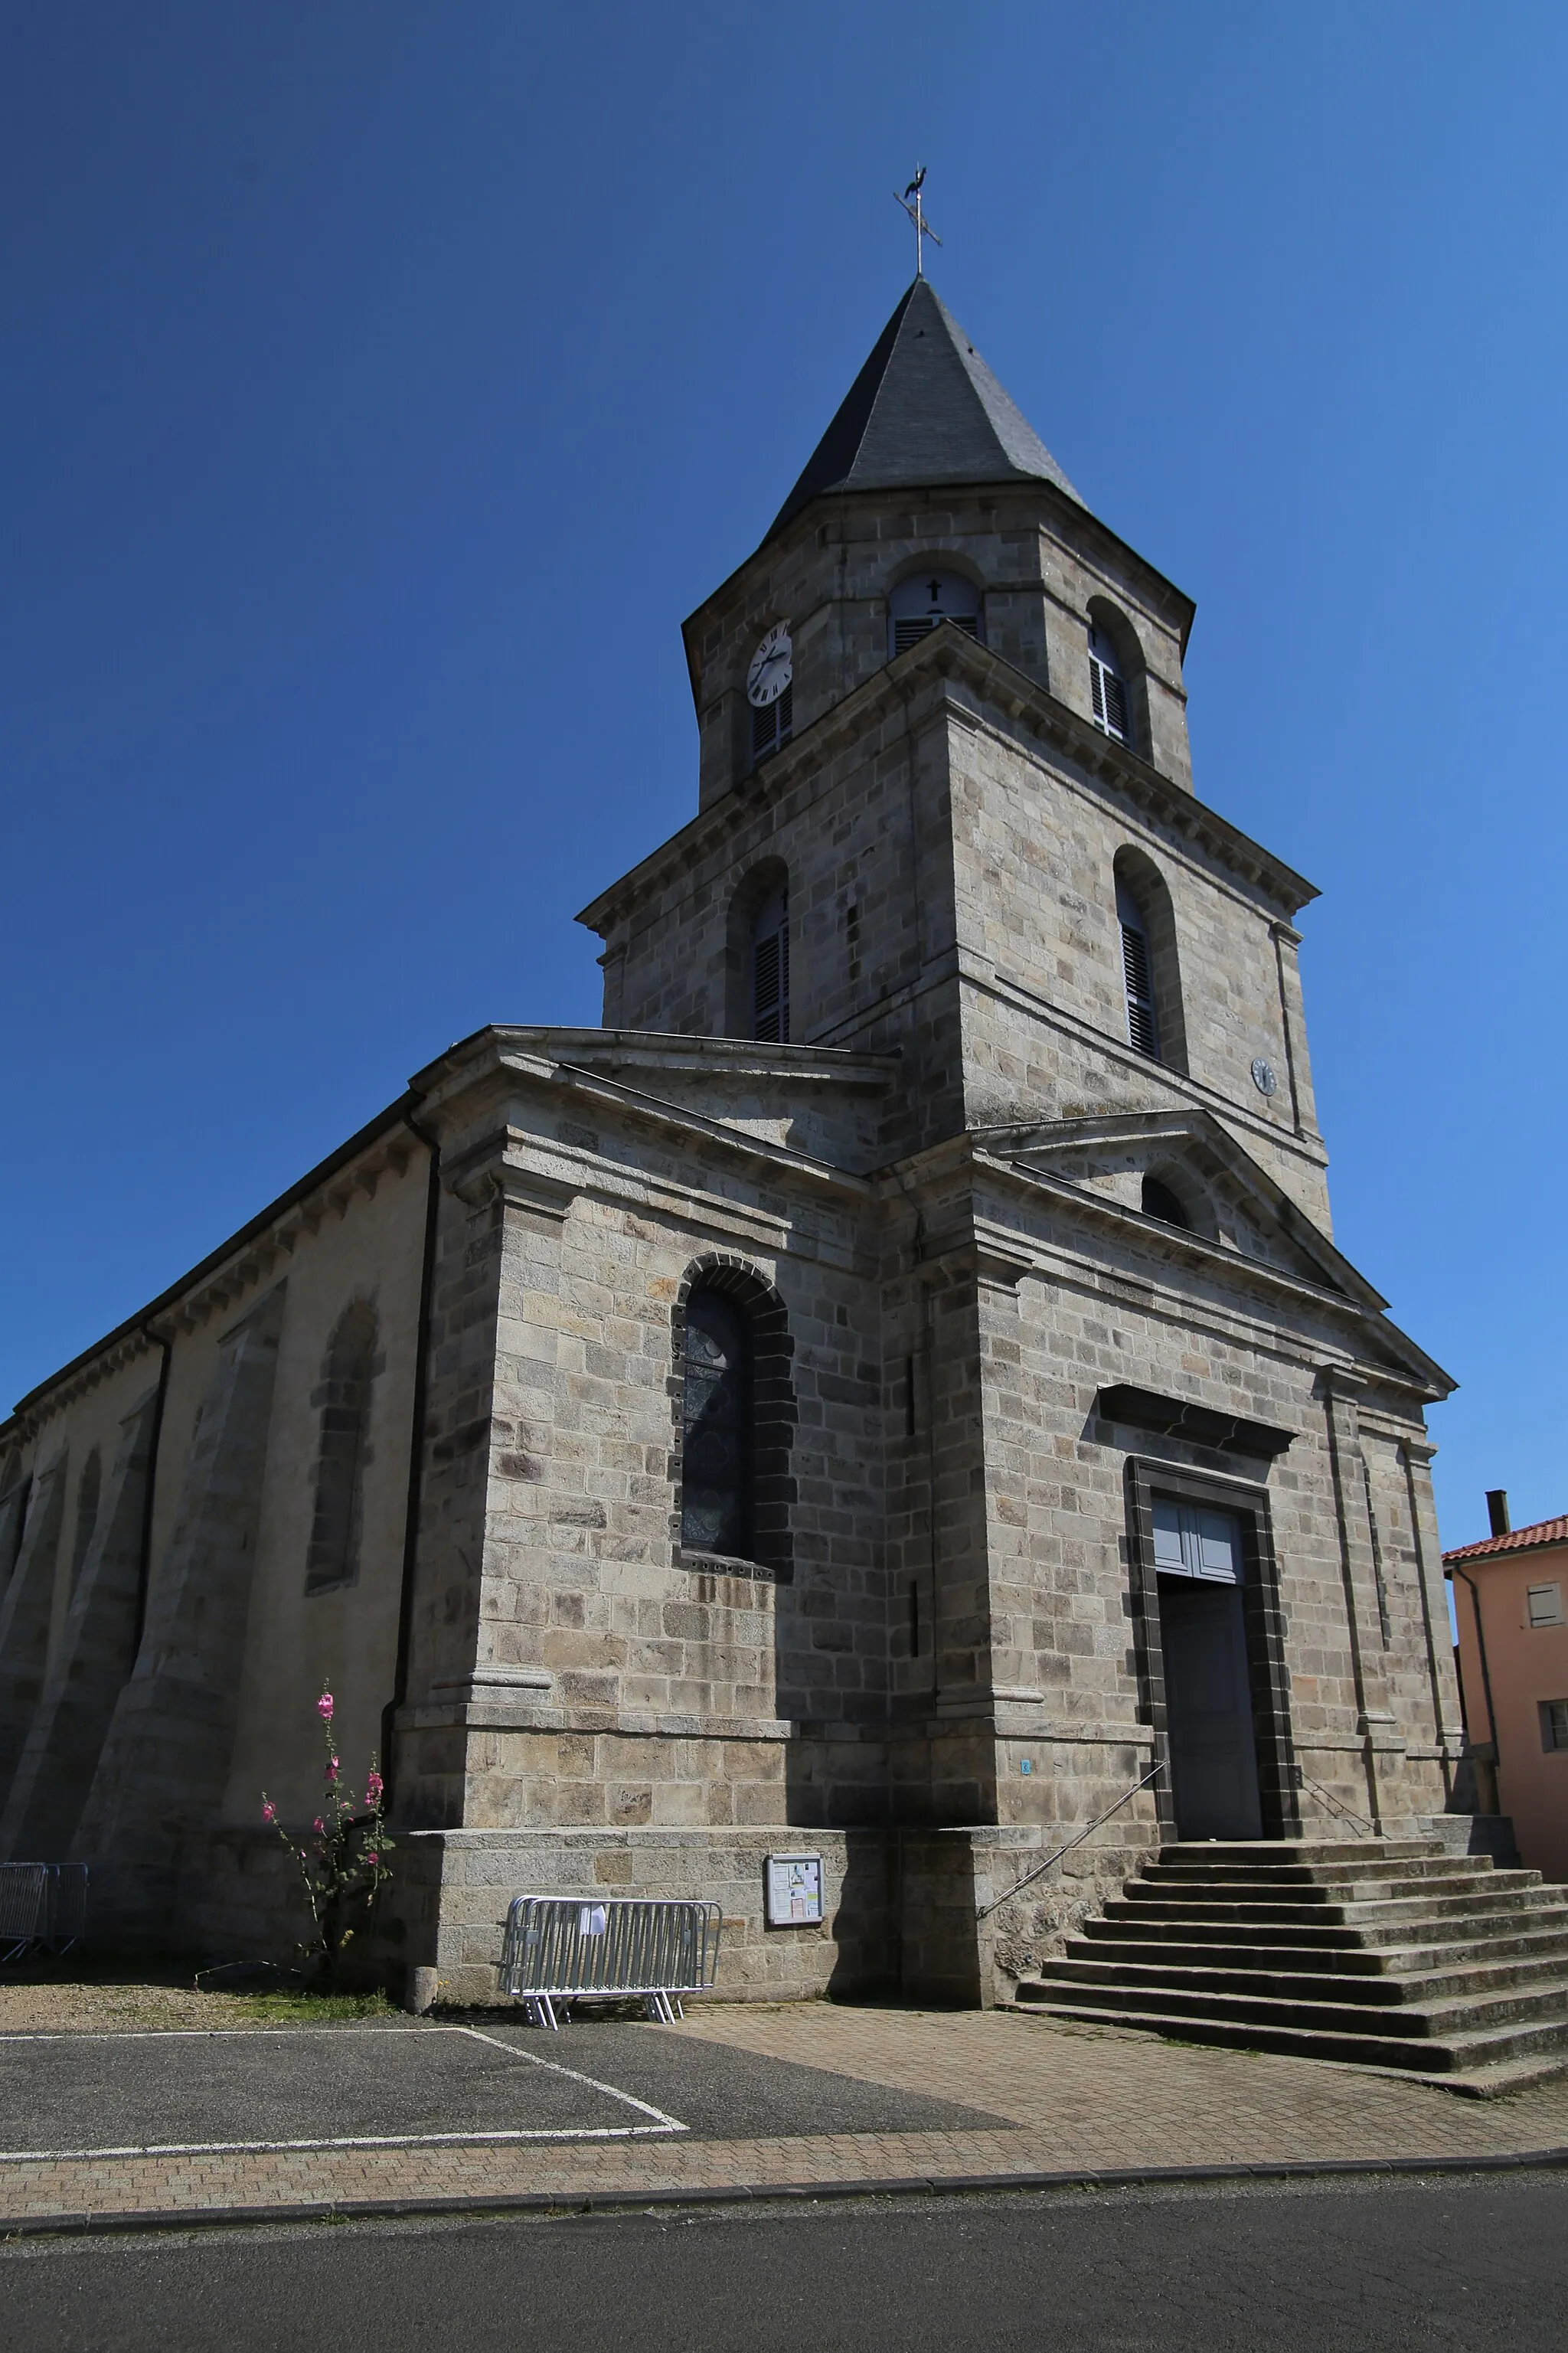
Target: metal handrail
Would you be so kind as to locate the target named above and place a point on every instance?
(985, 1910)
(1328, 1798)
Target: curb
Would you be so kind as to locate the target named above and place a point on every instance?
(612, 2202)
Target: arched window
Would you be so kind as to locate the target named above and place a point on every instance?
(1150, 962)
(1137, 973)
(1160, 1201)
(1107, 685)
(716, 1422)
(86, 1492)
(918, 602)
(343, 1395)
(735, 1418)
(770, 968)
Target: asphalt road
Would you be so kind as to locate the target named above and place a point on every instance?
(272, 2085)
(1429, 2265)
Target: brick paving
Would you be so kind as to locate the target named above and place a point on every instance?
(1076, 2099)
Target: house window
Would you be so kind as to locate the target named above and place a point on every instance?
(1137, 973)
(1554, 1724)
(343, 1397)
(1108, 688)
(1544, 1603)
(770, 970)
(716, 1451)
(919, 604)
(1158, 1201)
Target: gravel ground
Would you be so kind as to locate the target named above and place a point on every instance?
(93, 1999)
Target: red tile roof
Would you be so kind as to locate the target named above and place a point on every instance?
(1543, 1531)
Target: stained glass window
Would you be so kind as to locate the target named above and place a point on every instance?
(716, 1469)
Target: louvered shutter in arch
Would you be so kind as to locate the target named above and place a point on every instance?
(1138, 975)
(1143, 1030)
(909, 633)
(919, 604)
(1106, 687)
(770, 971)
(772, 725)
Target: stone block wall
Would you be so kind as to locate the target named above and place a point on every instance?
(453, 1895)
(1044, 1023)
(1038, 559)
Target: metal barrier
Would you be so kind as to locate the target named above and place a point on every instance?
(557, 1947)
(41, 1904)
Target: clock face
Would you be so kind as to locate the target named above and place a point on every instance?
(771, 670)
(1263, 1077)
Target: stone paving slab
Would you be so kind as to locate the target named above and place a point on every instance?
(1073, 2101)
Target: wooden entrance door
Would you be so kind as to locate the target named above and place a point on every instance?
(1208, 1686)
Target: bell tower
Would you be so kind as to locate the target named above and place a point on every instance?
(943, 744)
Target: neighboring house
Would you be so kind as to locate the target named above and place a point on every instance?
(1509, 1603)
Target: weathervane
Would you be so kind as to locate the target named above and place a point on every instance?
(917, 213)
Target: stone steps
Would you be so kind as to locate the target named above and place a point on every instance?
(1485, 1931)
(1394, 1960)
(1412, 1871)
(1395, 1954)
(1467, 1987)
(1527, 2054)
(1337, 1908)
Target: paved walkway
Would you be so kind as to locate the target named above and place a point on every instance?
(1064, 2099)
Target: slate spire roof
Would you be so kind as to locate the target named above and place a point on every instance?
(924, 410)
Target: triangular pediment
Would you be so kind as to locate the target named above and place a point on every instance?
(1230, 1202)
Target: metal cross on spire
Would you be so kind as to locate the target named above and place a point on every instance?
(915, 212)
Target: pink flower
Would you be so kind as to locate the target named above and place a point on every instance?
(332, 1769)
(268, 1811)
(324, 1707)
(319, 1825)
(371, 1856)
(373, 1787)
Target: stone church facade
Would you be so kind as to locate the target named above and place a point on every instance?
(883, 1394)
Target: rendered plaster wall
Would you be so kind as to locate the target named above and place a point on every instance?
(93, 1656)
(1526, 1665)
(369, 1252)
(130, 1758)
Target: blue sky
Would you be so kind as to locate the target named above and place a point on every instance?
(382, 383)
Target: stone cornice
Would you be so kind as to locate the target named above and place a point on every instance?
(1027, 495)
(485, 1066)
(964, 1158)
(945, 654)
(1306, 1144)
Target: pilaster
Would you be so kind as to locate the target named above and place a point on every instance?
(1382, 1745)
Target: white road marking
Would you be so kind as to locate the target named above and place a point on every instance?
(667, 2123)
(660, 2127)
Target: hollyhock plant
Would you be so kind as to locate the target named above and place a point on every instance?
(343, 1864)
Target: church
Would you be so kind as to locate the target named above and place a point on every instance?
(891, 1394)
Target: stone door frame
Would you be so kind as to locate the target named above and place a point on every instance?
(1262, 1618)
